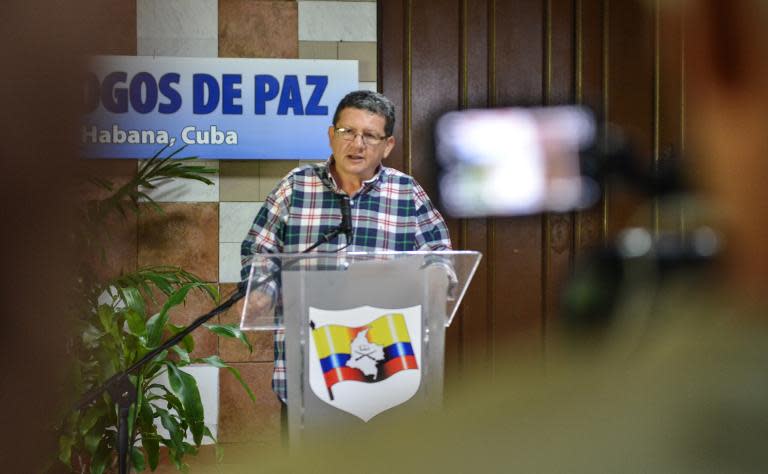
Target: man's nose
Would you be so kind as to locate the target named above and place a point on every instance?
(357, 140)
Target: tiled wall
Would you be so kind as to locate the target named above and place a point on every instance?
(202, 226)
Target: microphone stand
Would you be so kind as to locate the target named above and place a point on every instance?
(122, 390)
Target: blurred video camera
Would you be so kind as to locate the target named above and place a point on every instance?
(514, 161)
(522, 161)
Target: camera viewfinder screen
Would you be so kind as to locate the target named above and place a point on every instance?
(514, 161)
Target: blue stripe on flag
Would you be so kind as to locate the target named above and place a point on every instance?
(398, 349)
(334, 361)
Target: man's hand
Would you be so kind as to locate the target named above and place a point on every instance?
(259, 303)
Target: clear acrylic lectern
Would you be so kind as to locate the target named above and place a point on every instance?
(365, 332)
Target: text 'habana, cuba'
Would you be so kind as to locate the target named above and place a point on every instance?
(189, 135)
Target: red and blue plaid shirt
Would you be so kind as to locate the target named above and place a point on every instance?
(390, 212)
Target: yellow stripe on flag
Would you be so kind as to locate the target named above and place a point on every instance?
(332, 339)
(388, 330)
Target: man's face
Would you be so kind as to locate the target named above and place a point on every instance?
(355, 158)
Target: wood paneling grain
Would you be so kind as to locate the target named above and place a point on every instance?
(437, 56)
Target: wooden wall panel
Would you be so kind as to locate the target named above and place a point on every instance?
(393, 36)
(516, 292)
(670, 104)
(475, 52)
(475, 317)
(473, 324)
(630, 95)
(437, 56)
(559, 87)
(589, 57)
(434, 80)
(435, 89)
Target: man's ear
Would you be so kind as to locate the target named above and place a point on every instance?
(330, 135)
(390, 145)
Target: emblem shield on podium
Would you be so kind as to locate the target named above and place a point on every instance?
(365, 360)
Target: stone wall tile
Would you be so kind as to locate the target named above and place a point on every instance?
(235, 220)
(178, 47)
(177, 19)
(337, 21)
(318, 50)
(187, 190)
(272, 171)
(239, 180)
(183, 235)
(229, 262)
(234, 351)
(240, 419)
(258, 29)
(365, 54)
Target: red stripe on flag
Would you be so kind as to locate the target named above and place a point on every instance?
(399, 363)
(342, 374)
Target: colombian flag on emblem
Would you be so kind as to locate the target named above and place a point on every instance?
(369, 353)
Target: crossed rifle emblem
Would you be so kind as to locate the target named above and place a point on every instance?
(365, 354)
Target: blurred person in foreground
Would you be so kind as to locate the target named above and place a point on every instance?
(39, 90)
(680, 386)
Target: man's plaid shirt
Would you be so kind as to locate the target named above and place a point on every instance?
(390, 212)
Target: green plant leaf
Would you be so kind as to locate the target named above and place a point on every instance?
(212, 291)
(158, 322)
(146, 416)
(185, 387)
(137, 460)
(93, 438)
(155, 327)
(103, 183)
(217, 362)
(218, 448)
(183, 355)
(171, 401)
(152, 369)
(90, 418)
(176, 456)
(188, 343)
(174, 430)
(151, 446)
(160, 282)
(180, 295)
(91, 335)
(230, 330)
(207, 432)
(133, 299)
(189, 448)
(101, 459)
(136, 323)
(107, 318)
(66, 443)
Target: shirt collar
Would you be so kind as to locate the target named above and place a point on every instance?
(324, 172)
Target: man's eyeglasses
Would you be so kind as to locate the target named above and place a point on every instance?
(349, 135)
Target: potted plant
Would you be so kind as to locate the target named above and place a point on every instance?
(117, 327)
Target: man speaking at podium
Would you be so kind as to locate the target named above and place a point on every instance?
(386, 209)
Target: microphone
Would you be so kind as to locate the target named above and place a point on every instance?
(345, 227)
(346, 218)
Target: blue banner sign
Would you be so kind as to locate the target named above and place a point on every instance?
(219, 108)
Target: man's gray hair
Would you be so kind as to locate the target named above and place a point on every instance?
(372, 102)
